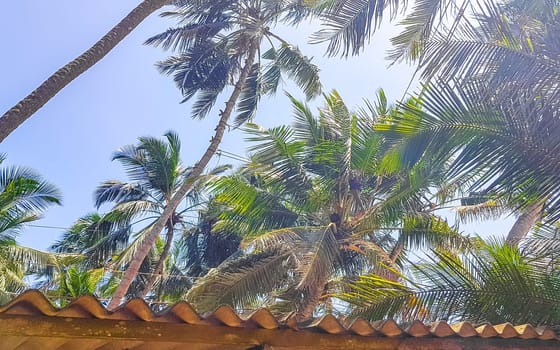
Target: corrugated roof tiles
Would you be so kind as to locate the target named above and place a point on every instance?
(86, 321)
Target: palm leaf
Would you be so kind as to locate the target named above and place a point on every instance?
(318, 263)
(250, 96)
(349, 23)
(419, 25)
(494, 285)
(299, 68)
(185, 37)
(240, 280)
(205, 67)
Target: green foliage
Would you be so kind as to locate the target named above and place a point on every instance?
(311, 201)
(74, 283)
(213, 40)
(350, 23)
(24, 196)
(496, 283)
(109, 241)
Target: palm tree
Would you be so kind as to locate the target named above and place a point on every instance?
(315, 212)
(25, 108)
(24, 196)
(156, 173)
(494, 113)
(219, 45)
(496, 283)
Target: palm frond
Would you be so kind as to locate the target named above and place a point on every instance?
(240, 280)
(488, 210)
(494, 285)
(205, 67)
(117, 191)
(23, 189)
(418, 26)
(299, 68)
(272, 75)
(205, 100)
(252, 210)
(280, 160)
(250, 96)
(185, 37)
(318, 263)
(350, 23)
(500, 49)
(506, 148)
(425, 231)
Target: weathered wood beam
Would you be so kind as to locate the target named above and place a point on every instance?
(113, 334)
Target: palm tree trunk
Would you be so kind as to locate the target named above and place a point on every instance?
(151, 238)
(313, 298)
(397, 251)
(161, 262)
(25, 108)
(393, 256)
(530, 215)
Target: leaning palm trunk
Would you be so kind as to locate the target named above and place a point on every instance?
(161, 262)
(530, 215)
(152, 236)
(25, 108)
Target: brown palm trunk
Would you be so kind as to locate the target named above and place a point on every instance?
(25, 108)
(314, 294)
(151, 238)
(397, 251)
(161, 262)
(530, 215)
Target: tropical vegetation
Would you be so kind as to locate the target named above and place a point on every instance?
(24, 197)
(494, 283)
(219, 46)
(343, 211)
(316, 212)
(109, 241)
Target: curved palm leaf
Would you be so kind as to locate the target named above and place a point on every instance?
(240, 280)
(511, 152)
(496, 284)
(351, 22)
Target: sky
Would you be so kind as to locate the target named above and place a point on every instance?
(70, 140)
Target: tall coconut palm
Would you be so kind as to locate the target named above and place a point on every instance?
(219, 44)
(25, 108)
(24, 196)
(314, 211)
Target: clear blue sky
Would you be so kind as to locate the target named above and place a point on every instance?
(71, 139)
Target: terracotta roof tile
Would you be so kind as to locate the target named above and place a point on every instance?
(362, 327)
(418, 329)
(264, 319)
(388, 328)
(442, 329)
(329, 324)
(464, 329)
(506, 330)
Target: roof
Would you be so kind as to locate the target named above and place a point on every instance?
(30, 321)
